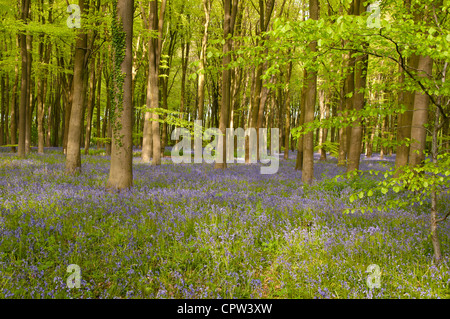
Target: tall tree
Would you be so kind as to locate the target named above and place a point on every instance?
(73, 156)
(151, 134)
(202, 60)
(310, 102)
(24, 80)
(360, 72)
(13, 107)
(230, 10)
(44, 57)
(287, 106)
(301, 121)
(90, 106)
(420, 115)
(257, 109)
(120, 173)
(406, 100)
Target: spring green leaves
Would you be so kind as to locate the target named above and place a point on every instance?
(404, 187)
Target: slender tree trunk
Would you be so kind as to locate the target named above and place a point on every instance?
(107, 123)
(361, 64)
(334, 107)
(50, 117)
(383, 136)
(323, 154)
(342, 156)
(3, 111)
(265, 14)
(185, 48)
(41, 92)
(67, 112)
(30, 104)
(310, 102)
(202, 60)
(301, 122)
(55, 119)
(13, 107)
(154, 49)
(98, 104)
(230, 11)
(287, 101)
(90, 107)
(433, 217)
(73, 158)
(24, 81)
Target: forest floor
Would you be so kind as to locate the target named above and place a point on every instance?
(190, 231)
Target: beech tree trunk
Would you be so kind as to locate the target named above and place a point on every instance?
(230, 11)
(97, 103)
(310, 102)
(301, 122)
(420, 116)
(3, 111)
(13, 107)
(24, 81)
(265, 14)
(202, 61)
(151, 124)
(29, 99)
(321, 135)
(90, 107)
(287, 101)
(73, 157)
(121, 173)
(360, 72)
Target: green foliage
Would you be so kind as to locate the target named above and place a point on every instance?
(415, 184)
(328, 146)
(102, 140)
(171, 117)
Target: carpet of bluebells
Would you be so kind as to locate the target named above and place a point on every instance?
(190, 231)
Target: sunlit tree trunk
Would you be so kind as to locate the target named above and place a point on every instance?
(265, 14)
(322, 112)
(121, 173)
(151, 124)
(73, 157)
(3, 111)
(90, 107)
(13, 107)
(30, 84)
(202, 60)
(310, 102)
(301, 122)
(420, 115)
(230, 11)
(97, 103)
(287, 102)
(360, 76)
(24, 81)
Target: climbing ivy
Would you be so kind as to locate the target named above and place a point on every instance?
(118, 77)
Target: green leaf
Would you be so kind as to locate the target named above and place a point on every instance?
(384, 190)
(396, 189)
(370, 193)
(361, 194)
